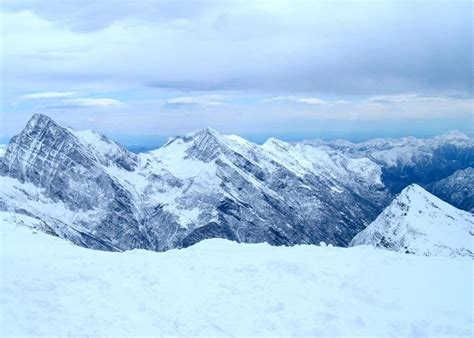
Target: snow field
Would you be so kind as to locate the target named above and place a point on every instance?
(217, 287)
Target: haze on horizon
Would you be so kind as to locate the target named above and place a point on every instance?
(140, 71)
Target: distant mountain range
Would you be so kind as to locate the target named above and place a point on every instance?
(90, 190)
(410, 160)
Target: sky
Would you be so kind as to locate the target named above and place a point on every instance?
(140, 71)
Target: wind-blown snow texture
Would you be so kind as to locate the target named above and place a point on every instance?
(420, 223)
(93, 192)
(50, 287)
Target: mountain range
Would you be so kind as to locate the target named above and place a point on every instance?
(90, 190)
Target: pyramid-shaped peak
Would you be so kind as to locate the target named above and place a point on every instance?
(206, 144)
(420, 223)
(414, 189)
(415, 192)
(39, 119)
(39, 122)
(273, 142)
(207, 131)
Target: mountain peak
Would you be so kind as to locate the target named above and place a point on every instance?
(454, 134)
(45, 137)
(38, 128)
(210, 130)
(420, 223)
(39, 121)
(207, 144)
(273, 142)
(416, 197)
(40, 117)
(414, 189)
(205, 132)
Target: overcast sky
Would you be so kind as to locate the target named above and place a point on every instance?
(143, 70)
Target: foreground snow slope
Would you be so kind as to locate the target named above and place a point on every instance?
(217, 287)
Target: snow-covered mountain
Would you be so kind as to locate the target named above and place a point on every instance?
(418, 222)
(93, 192)
(411, 160)
(457, 189)
(219, 288)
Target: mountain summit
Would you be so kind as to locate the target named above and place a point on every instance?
(418, 222)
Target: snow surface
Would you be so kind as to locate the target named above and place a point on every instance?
(217, 287)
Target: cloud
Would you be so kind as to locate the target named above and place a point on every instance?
(91, 15)
(59, 100)
(281, 48)
(224, 61)
(403, 98)
(47, 95)
(203, 100)
(92, 102)
(296, 99)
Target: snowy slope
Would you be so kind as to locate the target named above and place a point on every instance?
(217, 287)
(420, 223)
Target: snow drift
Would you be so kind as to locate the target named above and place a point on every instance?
(218, 287)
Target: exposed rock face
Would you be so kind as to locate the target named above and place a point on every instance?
(52, 158)
(95, 193)
(457, 189)
(418, 222)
